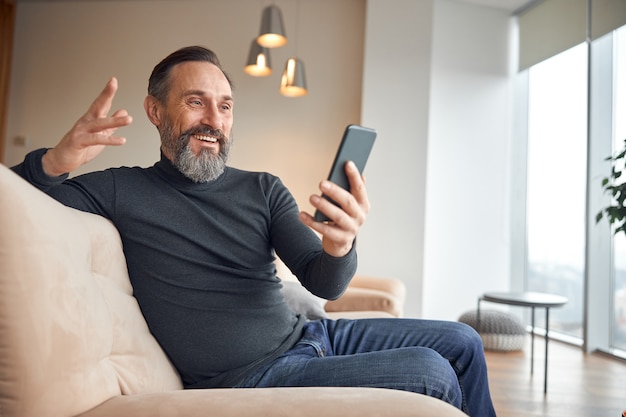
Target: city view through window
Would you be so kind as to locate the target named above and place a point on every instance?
(556, 181)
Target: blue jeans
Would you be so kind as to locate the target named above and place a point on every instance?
(443, 359)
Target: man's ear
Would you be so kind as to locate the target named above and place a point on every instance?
(152, 107)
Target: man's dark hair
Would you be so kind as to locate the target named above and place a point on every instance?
(158, 85)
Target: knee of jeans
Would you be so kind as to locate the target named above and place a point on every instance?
(464, 335)
(468, 336)
(437, 376)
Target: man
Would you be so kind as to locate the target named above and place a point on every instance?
(200, 238)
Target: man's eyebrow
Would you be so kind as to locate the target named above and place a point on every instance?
(226, 97)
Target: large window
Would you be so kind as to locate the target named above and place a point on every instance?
(557, 221)
(570, 116)
(619, 241)
(557, 143)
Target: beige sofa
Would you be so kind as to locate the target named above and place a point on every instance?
(74, 343)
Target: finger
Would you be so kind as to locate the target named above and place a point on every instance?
(357, 183)
(120, 113)
(107, 140)
(335, 241)
(101, 125)
(328, 208)
(330, 231)
(341, 225)
(102, 104)
(347, 204)
(339, 194)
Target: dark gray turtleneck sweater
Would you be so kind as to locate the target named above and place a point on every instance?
(201, 260)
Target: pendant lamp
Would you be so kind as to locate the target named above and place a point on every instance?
(272, 33)
(258, 64)
(293, 82)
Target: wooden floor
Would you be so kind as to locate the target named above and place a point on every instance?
(579, 385)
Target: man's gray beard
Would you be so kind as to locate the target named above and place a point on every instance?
(201, 168)
(204, 167)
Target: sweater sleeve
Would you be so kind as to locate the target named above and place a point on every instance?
(301, 250)
(88, 192)
(328, 276)
(31, 169)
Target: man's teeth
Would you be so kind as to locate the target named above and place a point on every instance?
(206, 138)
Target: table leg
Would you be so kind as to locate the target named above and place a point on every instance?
(545, 364)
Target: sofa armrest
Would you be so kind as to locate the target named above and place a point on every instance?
(371, 294)
(277, 402)
(392, 286)
(363, 299)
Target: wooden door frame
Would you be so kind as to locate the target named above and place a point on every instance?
(7, 23)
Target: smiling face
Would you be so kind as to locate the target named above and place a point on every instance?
(196, 119)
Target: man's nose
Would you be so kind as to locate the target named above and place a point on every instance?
(212, 118)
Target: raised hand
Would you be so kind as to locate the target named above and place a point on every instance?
(89, 135)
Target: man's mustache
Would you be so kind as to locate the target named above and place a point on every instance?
(216, 133)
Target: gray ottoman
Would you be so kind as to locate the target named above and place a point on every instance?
(499, 331)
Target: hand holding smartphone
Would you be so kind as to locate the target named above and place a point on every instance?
(356, 145)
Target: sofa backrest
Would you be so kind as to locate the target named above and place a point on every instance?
(71, 333)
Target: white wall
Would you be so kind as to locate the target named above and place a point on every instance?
(467, 233)
(437, 88)
(396, 102)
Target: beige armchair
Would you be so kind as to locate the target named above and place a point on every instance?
(74, 343)
(369, 296)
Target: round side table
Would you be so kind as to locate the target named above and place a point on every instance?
(532, 300)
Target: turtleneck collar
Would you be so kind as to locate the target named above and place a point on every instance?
(167, 170)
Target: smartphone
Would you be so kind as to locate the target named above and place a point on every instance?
(356, 145)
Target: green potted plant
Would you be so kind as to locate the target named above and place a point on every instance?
(616, 212)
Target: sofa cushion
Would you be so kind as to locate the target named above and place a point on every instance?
(302, 301)
(68, 320)
(278, 402)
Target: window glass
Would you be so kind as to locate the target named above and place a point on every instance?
(557, 132)
(619, 241)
